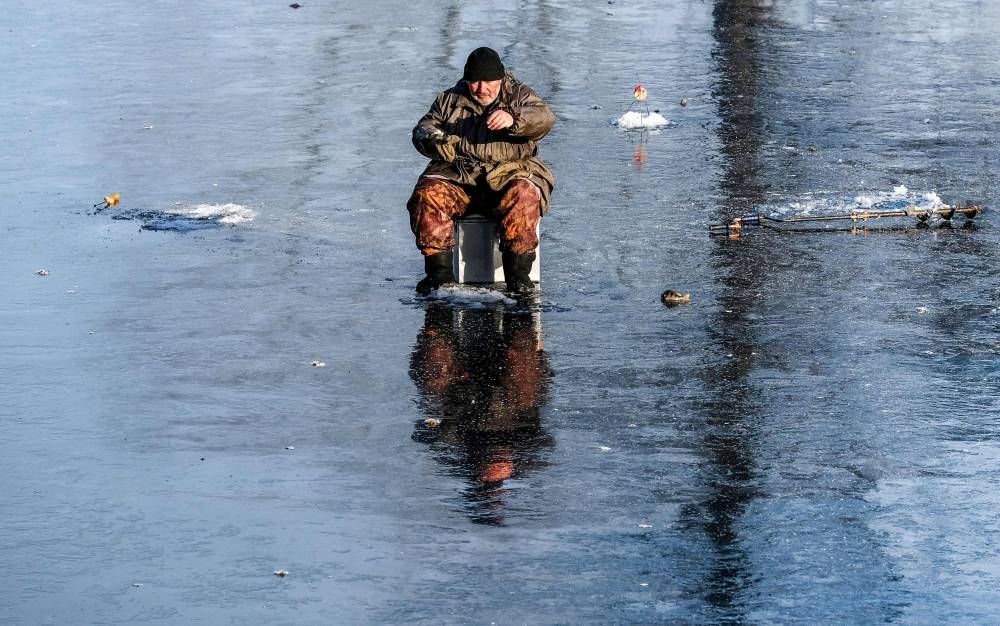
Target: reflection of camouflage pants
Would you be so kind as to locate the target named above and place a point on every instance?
(436, 202)
(484, 374)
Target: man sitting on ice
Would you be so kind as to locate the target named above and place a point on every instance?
(481, 136)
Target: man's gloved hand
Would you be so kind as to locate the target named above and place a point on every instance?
(446, 148)
(436, 142)
(429, 134)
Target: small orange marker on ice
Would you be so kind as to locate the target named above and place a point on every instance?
(639, 93)
(111, 200)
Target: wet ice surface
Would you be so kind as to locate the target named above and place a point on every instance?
(812, 439)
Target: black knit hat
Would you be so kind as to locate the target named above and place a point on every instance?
(483, 64)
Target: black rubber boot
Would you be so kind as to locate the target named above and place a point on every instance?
(439, 273)
(516, 270)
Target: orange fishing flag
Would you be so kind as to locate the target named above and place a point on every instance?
(111, 200)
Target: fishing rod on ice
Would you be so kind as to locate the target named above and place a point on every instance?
(734, 228)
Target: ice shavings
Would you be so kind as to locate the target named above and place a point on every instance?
(802, 207)
(898, 197)
(229, 213)
(864, 202)
(470, 296)
(933, 200)
(186, 218)
(634, 120)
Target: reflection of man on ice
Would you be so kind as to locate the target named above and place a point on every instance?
(482, 377)
(481, 136)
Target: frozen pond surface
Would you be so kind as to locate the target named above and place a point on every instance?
(812, 440)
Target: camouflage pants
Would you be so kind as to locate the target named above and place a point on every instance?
(436, 202)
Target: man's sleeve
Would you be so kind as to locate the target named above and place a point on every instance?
(427, 135)
(533, 119)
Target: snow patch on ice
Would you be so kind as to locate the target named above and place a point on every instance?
(633, 120)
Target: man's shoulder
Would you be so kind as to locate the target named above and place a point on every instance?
(518, 91)
(453, 94)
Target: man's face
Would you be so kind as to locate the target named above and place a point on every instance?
(485, 91)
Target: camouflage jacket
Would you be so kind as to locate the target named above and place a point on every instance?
(499, 156)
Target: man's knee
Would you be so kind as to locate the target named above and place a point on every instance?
(520, 214)
(521, 193)
(432, 206)
(437, 194)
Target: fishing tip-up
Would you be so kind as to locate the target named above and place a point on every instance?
(109, 201)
